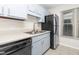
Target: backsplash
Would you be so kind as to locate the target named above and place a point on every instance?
(29, 23)
(9, 25)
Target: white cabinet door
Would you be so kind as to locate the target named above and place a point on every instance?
(11, 10)
(18, 10)
(45, 43)
(41, 11)
(36, 48)
(32, 10)
(43, 46)
(31, 7)
(37, 10)
(1, 10)
(6, 10)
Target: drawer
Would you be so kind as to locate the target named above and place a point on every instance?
(39, 37)
(44, 35)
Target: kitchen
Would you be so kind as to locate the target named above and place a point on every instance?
(35, 29)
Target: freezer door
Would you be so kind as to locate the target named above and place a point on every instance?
(56, 25)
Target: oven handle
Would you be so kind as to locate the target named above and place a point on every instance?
(12, 45)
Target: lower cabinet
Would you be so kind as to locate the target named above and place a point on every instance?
(36, 48)
(45, 44)
(40, 46)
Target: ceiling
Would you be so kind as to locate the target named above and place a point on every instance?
(48, 6)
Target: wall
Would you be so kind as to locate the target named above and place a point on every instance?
(71, 42)
(7, 25)
(29, 23)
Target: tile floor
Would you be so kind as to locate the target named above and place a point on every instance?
(63, 50)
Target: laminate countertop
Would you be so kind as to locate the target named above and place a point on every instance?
(15, 36)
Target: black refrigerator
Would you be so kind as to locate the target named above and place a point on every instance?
(52, 24)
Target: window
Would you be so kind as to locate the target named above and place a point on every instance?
(78, 22)
(67, 29)
(78, 30)
(68, 24)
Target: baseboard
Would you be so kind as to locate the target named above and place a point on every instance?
(69, 46)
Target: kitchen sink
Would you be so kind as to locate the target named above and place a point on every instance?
(35, 32)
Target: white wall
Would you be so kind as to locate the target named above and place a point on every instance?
(10, 25)
(71, 42)
(29, 23)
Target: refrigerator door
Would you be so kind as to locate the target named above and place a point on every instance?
(55, 21)
(56, 39)
(56, 33)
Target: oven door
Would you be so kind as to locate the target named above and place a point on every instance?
(17, 48)
(24, 51)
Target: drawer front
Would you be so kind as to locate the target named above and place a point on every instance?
(37, 38)
(44, 35)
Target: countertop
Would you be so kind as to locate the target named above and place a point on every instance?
(15, 36)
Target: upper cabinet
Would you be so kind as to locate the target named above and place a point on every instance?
(33, 10)
(17, 10)
(38, 11)
(22, 10)
(13, 11)
(2, 10)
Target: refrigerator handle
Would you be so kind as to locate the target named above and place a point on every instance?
(55, 20)
(55, 24)
(55, 29)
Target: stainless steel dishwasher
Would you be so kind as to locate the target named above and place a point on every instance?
(22, 47)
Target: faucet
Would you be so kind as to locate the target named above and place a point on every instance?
(34, 28)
